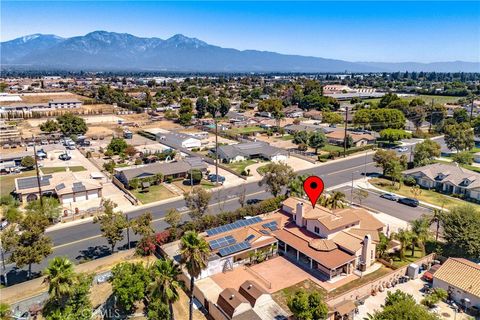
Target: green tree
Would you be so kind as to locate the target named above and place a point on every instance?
(308, 306)
(197, 201)
(185, 112)
(224, 106)
(459, 136)
(379, 119)
(50, 126)
(3, 86)
(425, 152)
(461, 231)
(421, 232)
(111, 223)
(386, 159)
(335, 200)
(71, 124)
(276, 176)
(201, 107)
(158, 310)
(295, 186)
(434, 297)
(360, 195)
(29, 245)
(117, 146)
(60, 278)
(387, 99)
(134, 183)
(195, 176)
(405, 238)
(173, 217)
(28, 162)
(463, 157)
(393, 135)
(331, 117)
(165, 285)
(129, 281)
(274, 106)
(300, 137)
(142, 225)
(317, 140)
(194, 252)
(461, 115)
(402, 307)
(51, 208)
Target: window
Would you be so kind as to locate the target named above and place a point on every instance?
(317, 230)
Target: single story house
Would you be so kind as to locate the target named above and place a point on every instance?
(461, 279)
(359, 139)
(294, 128)
(293, 112)
(65, 185)
(251, 150)
(174, 170)
(447, 178)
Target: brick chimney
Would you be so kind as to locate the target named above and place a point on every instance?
(367, 249)
(299, 214)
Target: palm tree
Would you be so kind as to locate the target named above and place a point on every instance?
(437, 213)
(421, 232)
(5, 312)
(60, 277)
(194, 251)
(295, 187)
(165, 284)
(405, 237)
(336, 199)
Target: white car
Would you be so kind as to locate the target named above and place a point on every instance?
(402, 149)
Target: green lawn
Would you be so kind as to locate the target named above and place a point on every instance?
(49, 170)
(261, 170)
(246, 130)
(331, 147)
(155, 193)
(408, 257)
(286, 137)
(428, 196)
(426, 98)
(186, 187)
(239, 166)
(7, 182)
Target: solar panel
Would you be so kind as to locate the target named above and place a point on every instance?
(234, 225)
(263, 231)
(78, 186)
(250, 237)
(221, 242)
(31, 182)
(234, 248)
(272, 225)
(61, 186)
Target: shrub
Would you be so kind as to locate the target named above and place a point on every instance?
(409, 181)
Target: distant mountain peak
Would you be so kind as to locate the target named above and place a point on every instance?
(104, 50)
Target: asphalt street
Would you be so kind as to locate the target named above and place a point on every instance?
(84, 241)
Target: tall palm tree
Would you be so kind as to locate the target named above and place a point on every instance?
(421, 232)
(165, 285)
(295, 187)
(60, 277)
(336, 199)
(194, 251)
(405, 237)
(435, 218)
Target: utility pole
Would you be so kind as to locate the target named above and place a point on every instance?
(351, 190)
(128, 231)
(471, 110)
(345, 138)
(38, 173)
(216, 148)
(3, 264)
(365, 168)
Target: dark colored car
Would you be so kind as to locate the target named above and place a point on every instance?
(409, 202)
(253, 201)
(64, 157)
(389, 196)
(213, 178)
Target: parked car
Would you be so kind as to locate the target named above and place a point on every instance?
(44, 142)
(253, 201)
(64, 157)
(389, 196)
(428, 275)
(213, 178)
(401, 149)
(409, 202)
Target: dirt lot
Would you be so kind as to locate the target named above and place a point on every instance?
(45, 97)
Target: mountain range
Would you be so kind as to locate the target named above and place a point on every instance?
(110, 51)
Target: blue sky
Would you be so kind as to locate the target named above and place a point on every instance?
(355, 31)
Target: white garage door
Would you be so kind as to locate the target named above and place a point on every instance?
(68, 198)
(80, 196)
(92, 194)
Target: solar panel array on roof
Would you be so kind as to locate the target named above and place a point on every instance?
(234, 248)
(78, 186)
(222, 242)
(60, 186)
(31, 182)
(234, 225)
(272, 225)
(265, 232)
(250, 237)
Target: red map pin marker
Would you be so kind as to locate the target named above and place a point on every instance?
(313, 187)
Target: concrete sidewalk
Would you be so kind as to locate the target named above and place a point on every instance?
(37, 286)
